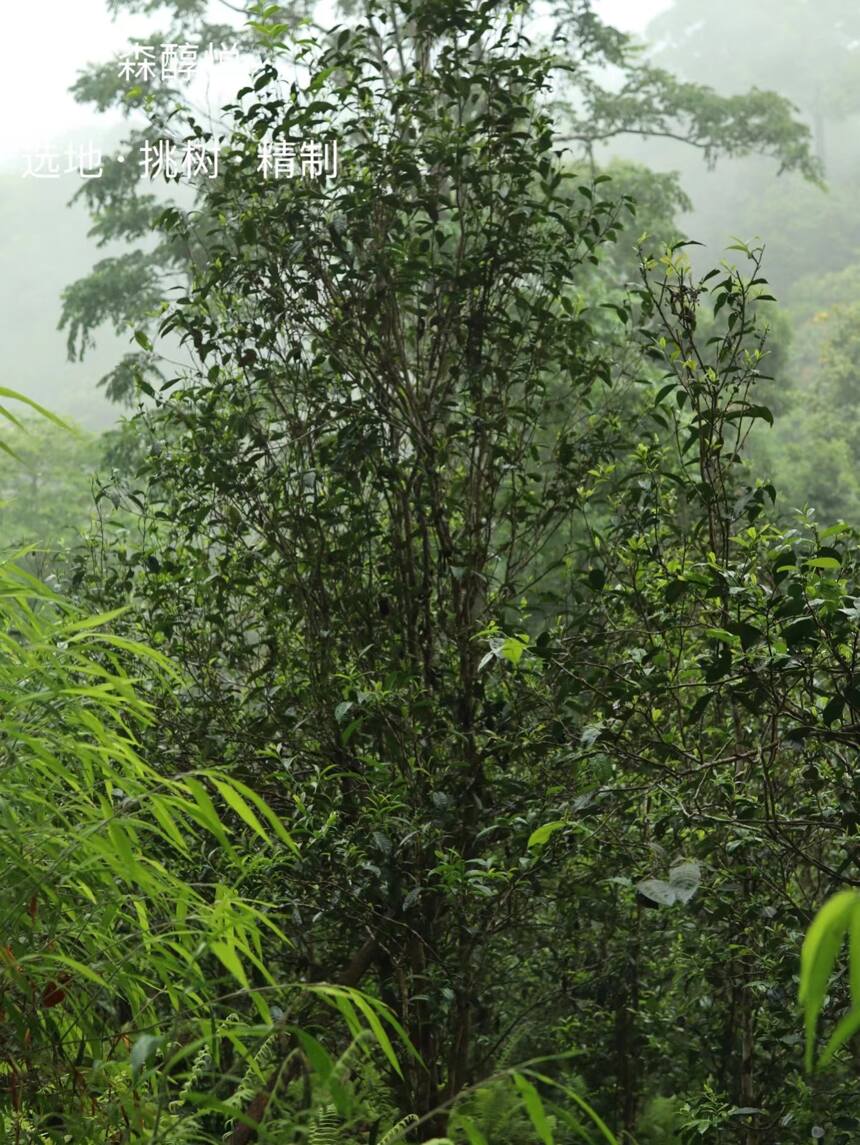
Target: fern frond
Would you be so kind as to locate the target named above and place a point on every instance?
(506, 1054)
(325, 1127)
(259, 1065)
(396, 1132)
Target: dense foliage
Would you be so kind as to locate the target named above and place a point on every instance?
(439, 737)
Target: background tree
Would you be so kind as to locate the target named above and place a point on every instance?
(807, 52)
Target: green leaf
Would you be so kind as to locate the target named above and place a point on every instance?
(235, 800)
(15, 396)
(833, 530)
(854, 958)
(534, 1108)
(316, 1054)
(682, 884)
(468, 1126)
(203, 810)
(542, 835)
(846, 1028)
(379, 1033)
(723, 636)
(674, 590)
(266, 811)
(143, 1051)
(818, 957)
(513, 648)
(823, 563)
(229, 959)
(573, 1096)
(79, 968)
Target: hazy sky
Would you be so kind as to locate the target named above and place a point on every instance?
(36, 70)
(82, 32)
(629, 15)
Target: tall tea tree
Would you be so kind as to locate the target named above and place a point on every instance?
(368, 476)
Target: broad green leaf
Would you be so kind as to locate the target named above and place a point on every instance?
(513, 648)
(823, 563)
(543, 834)
(818, 957)
(143, 1051)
